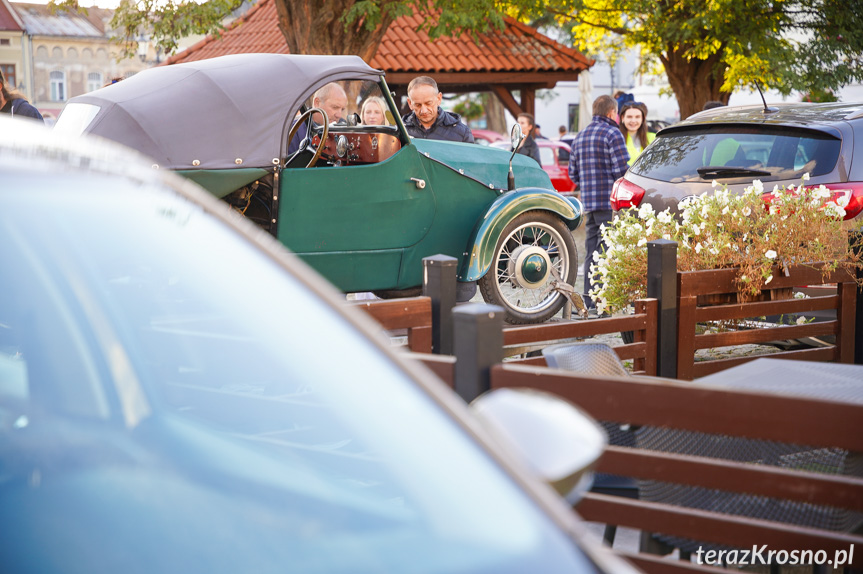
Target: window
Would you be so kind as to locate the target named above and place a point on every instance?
(9, 74)
(782, 152)
(94, 81)
(5, 42)
(58, 86)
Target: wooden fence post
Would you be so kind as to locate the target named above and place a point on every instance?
(439, 284)
(478, 344)
(662, 286)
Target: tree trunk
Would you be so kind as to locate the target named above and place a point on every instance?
(695, 82)
(317, 28)
(494, 114)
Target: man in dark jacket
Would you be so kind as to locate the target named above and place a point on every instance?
(528, 145)
(427, 119)
(15, 104)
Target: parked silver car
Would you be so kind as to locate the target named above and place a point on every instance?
(736, 145)
(178, 393)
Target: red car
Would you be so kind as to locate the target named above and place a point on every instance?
(487, 137)
(555, 163)
(554, 156)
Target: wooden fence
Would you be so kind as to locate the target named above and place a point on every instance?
(675, 406)
(695, 285)
(642, 350)
(665, 326)
(686, 407)
(411, 314)
(680, 406)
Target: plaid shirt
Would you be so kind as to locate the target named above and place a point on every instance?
(598, 159)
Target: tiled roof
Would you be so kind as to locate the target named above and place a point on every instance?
(39, 21)
(517, 48)
(8, 22)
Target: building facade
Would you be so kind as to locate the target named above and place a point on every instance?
(55, 56)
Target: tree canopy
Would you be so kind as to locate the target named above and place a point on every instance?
(309, 27)
(708, 48)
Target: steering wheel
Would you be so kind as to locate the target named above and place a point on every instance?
(307, 141)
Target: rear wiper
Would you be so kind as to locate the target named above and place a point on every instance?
(711, 171)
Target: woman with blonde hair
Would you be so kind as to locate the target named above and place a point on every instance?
(374, 112)
(633, 126)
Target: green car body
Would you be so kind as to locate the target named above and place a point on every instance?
(365, 225)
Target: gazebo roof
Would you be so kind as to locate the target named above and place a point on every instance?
(515, 58)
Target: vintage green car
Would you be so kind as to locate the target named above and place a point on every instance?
(362, 204)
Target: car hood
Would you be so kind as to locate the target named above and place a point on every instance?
(486, 164)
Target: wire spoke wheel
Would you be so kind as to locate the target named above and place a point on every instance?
(533, 249)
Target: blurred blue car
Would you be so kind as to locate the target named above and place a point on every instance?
(180, 394)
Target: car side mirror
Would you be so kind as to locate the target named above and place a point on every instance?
(550, 435)
(515, 138)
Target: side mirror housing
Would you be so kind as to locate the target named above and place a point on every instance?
(555, 439)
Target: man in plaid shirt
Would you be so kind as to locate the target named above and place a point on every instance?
(598, 159)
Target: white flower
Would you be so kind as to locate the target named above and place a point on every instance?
(802, 320)
(698, 247)
(769, 279)
(759, 187)
(715, 183)
(746, 211)
(770, 254)
(642, 242)
(645, 211)
(805, 178)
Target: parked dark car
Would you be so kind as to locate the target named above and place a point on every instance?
(362, 204)
(737, 145)
(178, 393)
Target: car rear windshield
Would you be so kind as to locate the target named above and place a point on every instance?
(721, 152)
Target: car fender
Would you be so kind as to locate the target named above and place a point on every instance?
(479, 252)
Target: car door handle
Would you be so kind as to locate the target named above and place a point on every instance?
(420, 183)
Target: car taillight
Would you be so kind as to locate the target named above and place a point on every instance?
(625, 194)
(849, 195)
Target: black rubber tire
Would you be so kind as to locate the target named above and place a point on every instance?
(523, 230)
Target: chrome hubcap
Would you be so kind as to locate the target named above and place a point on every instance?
(529, 266)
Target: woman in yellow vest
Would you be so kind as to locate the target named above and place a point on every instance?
(633, 126)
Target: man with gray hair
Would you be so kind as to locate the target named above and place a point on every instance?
(333, 100)
(427, 119)
(598, 158)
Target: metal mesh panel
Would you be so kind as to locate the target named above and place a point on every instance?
(762, 452)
